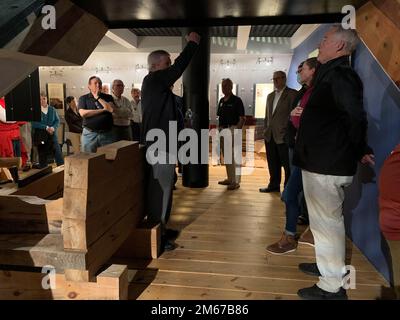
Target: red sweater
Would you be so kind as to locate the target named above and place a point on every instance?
(8, 133)
(389, 196)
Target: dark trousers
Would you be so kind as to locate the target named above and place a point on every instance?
(135, 131)
(277, 157)
(160, 182)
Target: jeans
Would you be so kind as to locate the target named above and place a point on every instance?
(57, 151)
(92, 140)
(290, 196)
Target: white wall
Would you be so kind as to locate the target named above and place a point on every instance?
(121, 65)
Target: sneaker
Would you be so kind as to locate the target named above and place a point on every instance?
(316, 293)
(233, 186)
(310, 269)
(286, 244)
(225, 182)
(307, 238)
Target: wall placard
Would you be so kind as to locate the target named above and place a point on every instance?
(56, 96)
(261, 92)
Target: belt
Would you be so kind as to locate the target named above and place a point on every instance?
(96, 131)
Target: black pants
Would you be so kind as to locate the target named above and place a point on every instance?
(158, 198)
(277, 157)
(135, 127)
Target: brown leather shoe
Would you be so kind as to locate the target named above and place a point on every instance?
(234, 186)
(225, 182)
(286, 244)
(307, 238)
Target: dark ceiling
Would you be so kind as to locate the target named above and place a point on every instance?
(192, 13)
(286, 30)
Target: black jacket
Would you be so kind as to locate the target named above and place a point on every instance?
(332, 135)
(74, 121)
(158, 101)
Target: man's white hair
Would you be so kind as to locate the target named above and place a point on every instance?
(154, 58)
(349, 36)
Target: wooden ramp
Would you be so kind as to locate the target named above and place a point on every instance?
(221, 253)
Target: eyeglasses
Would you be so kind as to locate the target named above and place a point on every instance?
(277, 78)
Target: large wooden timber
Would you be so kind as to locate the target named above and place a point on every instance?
(79, 233)
(111, 284)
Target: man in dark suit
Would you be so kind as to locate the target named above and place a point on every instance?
(159, 109)
(279, 105)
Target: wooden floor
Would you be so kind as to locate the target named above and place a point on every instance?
(221, 253)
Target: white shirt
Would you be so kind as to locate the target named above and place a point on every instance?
(137, 111)
(122, 111)
(278, 95)
(45, 110)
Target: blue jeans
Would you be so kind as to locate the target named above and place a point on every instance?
(291, 198)
(57, 151)
(92, 140)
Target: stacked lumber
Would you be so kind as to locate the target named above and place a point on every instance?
(79, 233)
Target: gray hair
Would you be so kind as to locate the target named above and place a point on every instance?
(116, 81)
(349, 36)
(43, 93)
(154, 58)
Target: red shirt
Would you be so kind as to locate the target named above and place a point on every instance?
(302, 104)
(389, 196)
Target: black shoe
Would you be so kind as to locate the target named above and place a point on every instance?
(316, 293)
(310, 269)
(269, 189)
(171, 234)
(168, 245)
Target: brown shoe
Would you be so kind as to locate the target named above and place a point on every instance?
(234, 186)
(307, 238)
(225, 182)
(285, 245)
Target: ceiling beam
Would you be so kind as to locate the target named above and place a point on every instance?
(302, 34)
(243, 34)
(124, 37)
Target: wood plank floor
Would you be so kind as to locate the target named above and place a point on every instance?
(221, 253)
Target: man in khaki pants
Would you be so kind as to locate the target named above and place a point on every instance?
(231, 117)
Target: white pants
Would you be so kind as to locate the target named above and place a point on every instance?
(324, 196)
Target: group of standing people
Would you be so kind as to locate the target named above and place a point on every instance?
(318, 136)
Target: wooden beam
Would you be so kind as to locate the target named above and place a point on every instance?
(10, 162)
(390, 8)
(381, 36)
(111, 284)
(46, 187)
(143, 243)
(38, 250)
(35, 176)
(28, 214)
